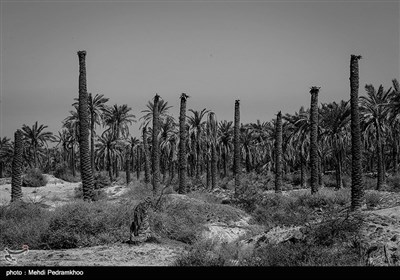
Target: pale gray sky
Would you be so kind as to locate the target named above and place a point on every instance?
(267, 54)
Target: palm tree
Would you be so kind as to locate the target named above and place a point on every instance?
(118, 117)
(225, 136)
(156, 147)
(71, 123)
(85, 163)
(314, 139)
(127, 164)
(36, 137)
(357, 191)
(375, 115)
(133, 143)
(197, 124)
(278, 149)
(16, 179)
(6, 152)
(335, 123)
(168, 140)
(146, 155)
(394, 119)
(236, 143)
(96, 108)
(182, 145)
(107, 148)
(299, 138)
(212, 127)
(162, 109)
(246, 141)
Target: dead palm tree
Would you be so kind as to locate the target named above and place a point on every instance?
(357, 191)
(85, 163)
(156, 147)
(278, 149)
(16, 179)
(314, 139)
(182, 145)
(236, 148)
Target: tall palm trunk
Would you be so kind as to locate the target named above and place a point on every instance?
(208, 170)
(73, 161)
(357, 190)
(16, 175)
(133, 160)
(302, 171)
(85, 163)
(314, 139)
(138, 163)
(146, 156)
(395, 157)
(109, 164)
(278, 154)
(182, 145)
(156, 147)
(214, 164)
(128, 167)
(381, 178)
(92, 134)
(339, 180)
(236, 148)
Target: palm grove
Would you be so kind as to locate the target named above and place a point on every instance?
(348, 138)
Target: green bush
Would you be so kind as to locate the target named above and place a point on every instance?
(369, 183)
(203, 253)
(278, 209)
(86, 224)
(22, 223)
(373, 198)
(34, 178)
(177, 222)
(101, 180)
(393, 183)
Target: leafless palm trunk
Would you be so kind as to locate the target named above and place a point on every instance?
(85, 163)
(182, 145)
(236, 148)
(278, 153)
(16, 175)
(92, 136)
(314, 139)
(357, 190)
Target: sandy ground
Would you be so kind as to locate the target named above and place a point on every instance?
(58, 192)
(382, 228)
